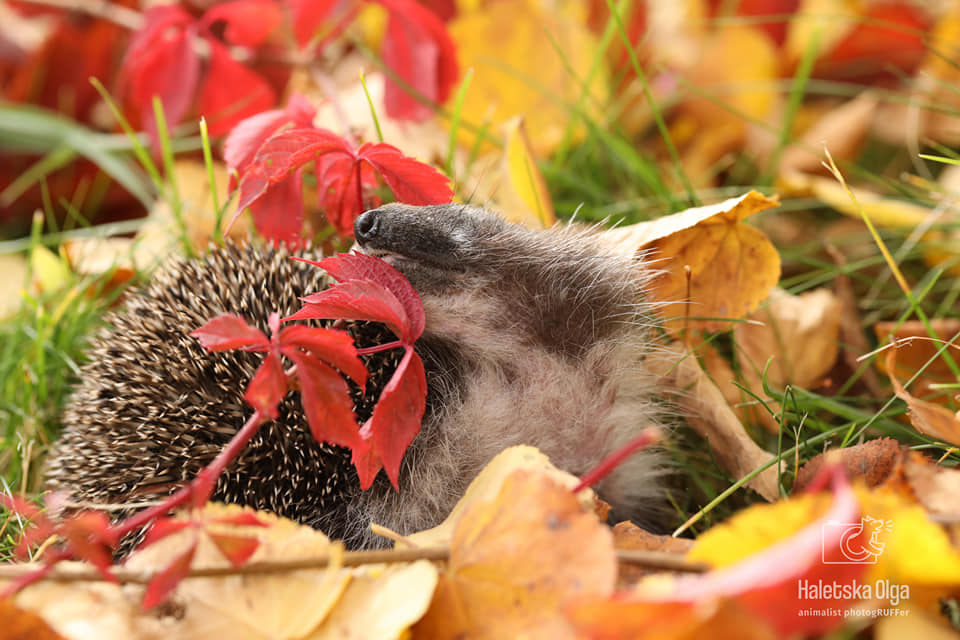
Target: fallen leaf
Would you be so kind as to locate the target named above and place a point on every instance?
(381, 604)
(712, 267)
(522, 192)
(628, 536)
(796, 344)
(917, 348)
(20, 624)
(927, 418)
(709, 414)
(875, 463)
(529, 60)
(487, 485)
(516, 560)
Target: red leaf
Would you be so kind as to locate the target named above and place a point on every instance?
(418, 48)
(163, 527)
(230, 91)
(268, 386)
(249, 22)
(236, 549)
(396, 418)
(341, 198)
(278, 211)
(294, 148)
(249, 135)
(368, 464)
(311, 17)
(228, 331)
(163, 584)
(244, 519)
(326, 400)
(356, 300)
(333, 347)
(162, 61)
(91, 538)
(347, 267)
(411, 181)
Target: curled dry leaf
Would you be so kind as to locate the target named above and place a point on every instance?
(927, 418)
(797, 343)
(516, 560)
(875, 463)
(628, 536)
(713, 267)
(710, 415)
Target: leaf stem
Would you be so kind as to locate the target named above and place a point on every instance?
(377, 348)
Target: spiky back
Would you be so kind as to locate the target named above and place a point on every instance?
(153, 407)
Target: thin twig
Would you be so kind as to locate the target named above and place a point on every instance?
(60, 573)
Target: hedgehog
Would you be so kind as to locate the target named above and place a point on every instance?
(532, 337)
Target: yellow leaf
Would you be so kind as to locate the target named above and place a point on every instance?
(50, 272)
(712, 267)
(516, 560)
(529, 60)
(14, 268)
(522, 193)
(824, 22)
(381, 606)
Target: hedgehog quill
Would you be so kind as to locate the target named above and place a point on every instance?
(532, 337)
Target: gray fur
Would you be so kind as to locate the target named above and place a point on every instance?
(531, 338)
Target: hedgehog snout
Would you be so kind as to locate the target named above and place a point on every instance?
(366, 226)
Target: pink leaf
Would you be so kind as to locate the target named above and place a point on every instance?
(249, 22)
(236, 549)
(418, 48)
(268, 386)
(333, 347)
(231, 92)
(228, 331)
(356, 300)
(411, 181)
(326, 401)
(163, 584)
(396, 418)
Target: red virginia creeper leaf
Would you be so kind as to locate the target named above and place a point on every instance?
(333, 347)
(356, 300)
(228, 331)
(268, 386)
(163, 527)
(236, 549)
(248, 136)
(325, 18)
(249, 22)
(163, 584)
(411, 181)
(397, 415)
(90, 537)
(368, 464)
(278, 211)
(244, 519)
(293, 148)
(230, 91)
(326, 400)
(347, 267)
(341, 198)
(418, 48)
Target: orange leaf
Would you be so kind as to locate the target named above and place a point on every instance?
(236, 549)
(167, 580)
(515, 560)
(926, 417)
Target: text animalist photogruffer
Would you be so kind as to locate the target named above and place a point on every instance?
(532, 337)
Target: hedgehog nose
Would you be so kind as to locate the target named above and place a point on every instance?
(366, 225)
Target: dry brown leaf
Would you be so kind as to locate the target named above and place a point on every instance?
(915, 348)
(251, 606)
(380, 603)
(732, 266)
(927, 418)
(488, 484)
(709, 414)
(629, 536)
(875, 463)
(797, 343)
(516, 560)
